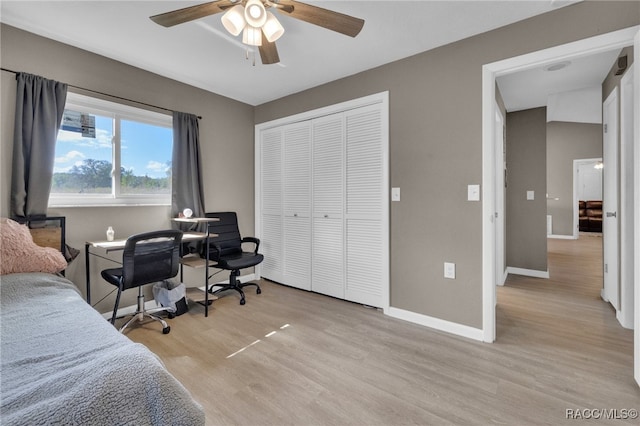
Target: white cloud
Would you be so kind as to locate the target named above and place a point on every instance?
(102, 139)
(70, 156)
(156, 166)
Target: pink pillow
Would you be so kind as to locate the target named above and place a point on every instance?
(18, 252)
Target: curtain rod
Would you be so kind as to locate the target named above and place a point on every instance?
(106, 94)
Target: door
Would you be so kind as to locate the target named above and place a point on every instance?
(500, 156)
(297, 205)
(627, 256)
(271, 204)
(366, 200)
(327, 275)
(611, 290)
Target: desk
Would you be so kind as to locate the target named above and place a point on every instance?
(117, 245)
(196, 261)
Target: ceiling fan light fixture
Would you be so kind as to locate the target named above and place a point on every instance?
(252, 36)
(255, 14)
(272, 28)
(233, 20)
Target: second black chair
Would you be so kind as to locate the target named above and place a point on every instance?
(147, 258)
(225, 249)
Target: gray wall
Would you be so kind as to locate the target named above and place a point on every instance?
(435, 138)
(526, 220)
(226, 132)
(436, 150)
(567, 142)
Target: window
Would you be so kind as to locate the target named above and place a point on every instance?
(111, 154)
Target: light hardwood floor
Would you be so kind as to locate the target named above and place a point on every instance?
(330, 362)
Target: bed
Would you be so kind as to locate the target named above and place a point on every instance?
(63, 363)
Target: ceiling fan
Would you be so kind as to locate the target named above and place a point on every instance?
(259, 26)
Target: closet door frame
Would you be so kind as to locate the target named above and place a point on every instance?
(382, 99)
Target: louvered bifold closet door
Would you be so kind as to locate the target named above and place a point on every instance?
(365, 204)
(297, 205)
(271, 202)
(328, 205)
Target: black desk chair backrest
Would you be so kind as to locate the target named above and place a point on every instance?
(225, 248)
(150, 257)
(147, 258)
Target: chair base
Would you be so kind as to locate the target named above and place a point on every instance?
(141, 313)
(235, 284)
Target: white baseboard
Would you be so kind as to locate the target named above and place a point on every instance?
(624, 320)
(437, 323)
(562, 237)
(501, 278)
(528, 272)
(150, 304)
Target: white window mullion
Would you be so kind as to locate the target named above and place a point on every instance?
(117, 157)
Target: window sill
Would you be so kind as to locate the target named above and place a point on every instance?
(74, 206)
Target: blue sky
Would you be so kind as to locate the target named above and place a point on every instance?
(146, 149)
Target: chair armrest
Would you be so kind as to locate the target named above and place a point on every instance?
(253, 240)
(217, 249)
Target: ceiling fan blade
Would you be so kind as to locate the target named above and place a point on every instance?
(335, 21)
(180, 16)
(268, 52)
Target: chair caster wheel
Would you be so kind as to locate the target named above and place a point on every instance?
(242, 301)
(258, 291)
(166, 330)
(171, 315)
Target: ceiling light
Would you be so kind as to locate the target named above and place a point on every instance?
(255, 13)
(272, 28)
(252, 20)
(252, 36)
(557, 66)
(233, 20)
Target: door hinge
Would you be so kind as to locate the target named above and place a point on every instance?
(606, 128)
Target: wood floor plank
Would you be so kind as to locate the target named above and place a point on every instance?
(291, 357)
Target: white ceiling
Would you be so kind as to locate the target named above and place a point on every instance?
(531, 88)
(201, 53)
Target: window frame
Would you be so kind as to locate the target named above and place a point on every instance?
(117, 112)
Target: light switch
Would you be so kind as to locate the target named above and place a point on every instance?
(395, 194)
(473, 192)
(530, 195)
(450, 270)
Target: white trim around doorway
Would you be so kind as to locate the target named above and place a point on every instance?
(592, 45)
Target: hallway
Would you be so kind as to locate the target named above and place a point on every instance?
(562, 322)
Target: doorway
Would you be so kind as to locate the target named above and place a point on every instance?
(587, 186)
(614, 40)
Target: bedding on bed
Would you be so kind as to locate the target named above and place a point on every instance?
(63, 363)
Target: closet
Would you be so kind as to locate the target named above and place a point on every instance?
(321, 200)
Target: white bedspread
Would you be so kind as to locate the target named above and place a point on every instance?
(63, 363)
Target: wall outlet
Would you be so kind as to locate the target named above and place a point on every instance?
(531, 195)
(450, 270)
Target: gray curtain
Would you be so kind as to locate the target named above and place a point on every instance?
(39, 107)
(186, 174)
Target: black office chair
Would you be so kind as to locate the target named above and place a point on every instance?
(147, 258)
(225, 249)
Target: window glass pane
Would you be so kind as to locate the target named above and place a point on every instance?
(83, 163)
(145, 162)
